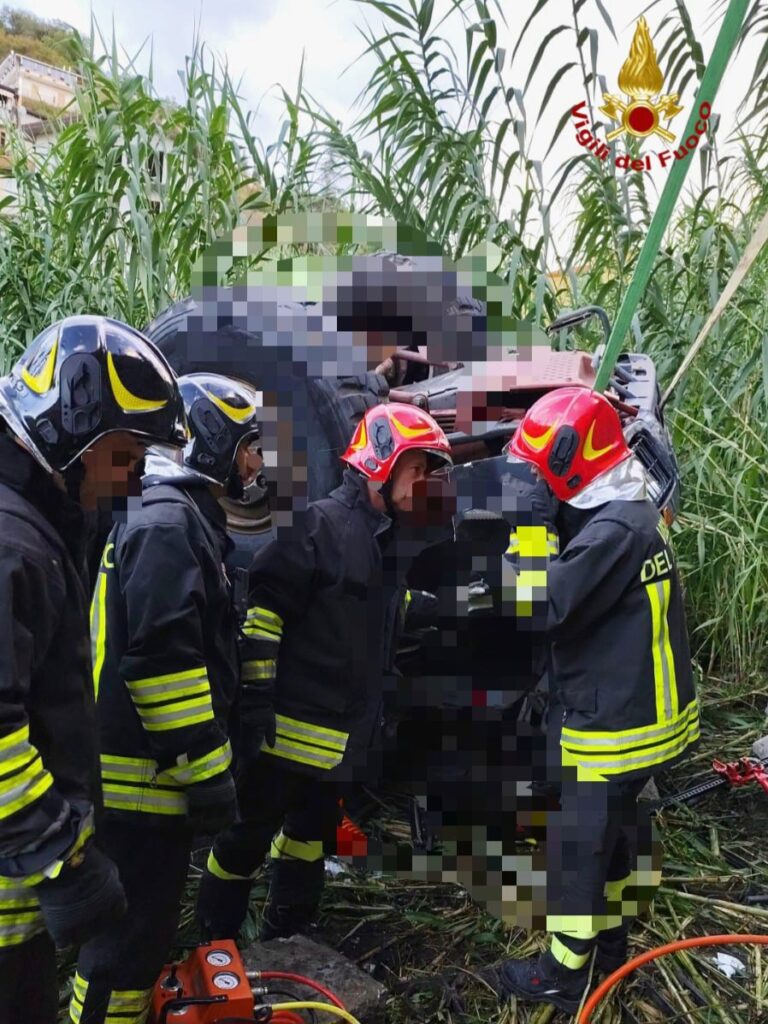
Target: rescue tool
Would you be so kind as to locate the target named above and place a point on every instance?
(212, 986)
(733, 773)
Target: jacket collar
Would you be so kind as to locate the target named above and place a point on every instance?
(21, 473)
(198, 493)
(353, 492)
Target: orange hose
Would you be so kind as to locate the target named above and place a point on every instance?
(602, 990)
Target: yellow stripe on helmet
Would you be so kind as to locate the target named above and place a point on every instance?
(590, 453)
(41, 382)
(238, 415)
(127, 401)
(538, 443)
(411, 431)
(359, 445)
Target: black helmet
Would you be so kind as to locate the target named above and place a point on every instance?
(221, 413)
(85, 377)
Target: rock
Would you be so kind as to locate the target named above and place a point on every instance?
(650, 791)
(363, 997)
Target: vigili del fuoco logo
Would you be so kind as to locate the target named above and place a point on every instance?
(641, 114)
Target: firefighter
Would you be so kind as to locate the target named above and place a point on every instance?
(76, 412)
(326, 606)
(620, 669)
(164, 630)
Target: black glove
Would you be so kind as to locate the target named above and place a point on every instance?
(83, 900)
(256, 715)
(212, 805)
(422, 609)
(545, 504)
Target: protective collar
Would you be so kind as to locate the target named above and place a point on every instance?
(625, 482)
(165, 466)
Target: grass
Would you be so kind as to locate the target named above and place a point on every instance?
(444, 142)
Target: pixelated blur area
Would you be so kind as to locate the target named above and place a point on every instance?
(328, 315)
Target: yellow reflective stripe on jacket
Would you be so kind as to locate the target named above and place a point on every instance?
(99, 629)
(531, 548)
(123, 776)
(173, 684)
(134, 784)
(664, 676)
(307, 743)
(20, 917)
(147, 801)
(201, 768)
(629, 738)
(23, 777)
(600, 762)
(285, 848)
(260, 669)
(126, 1006)
(263, 623)
(173, 700)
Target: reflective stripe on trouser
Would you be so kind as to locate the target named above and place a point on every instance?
(285, 848)
(307, 743)
(600, 833)
(20, 917)
(130, 1006)
(572, 951)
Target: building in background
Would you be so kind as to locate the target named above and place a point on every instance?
(36, 98)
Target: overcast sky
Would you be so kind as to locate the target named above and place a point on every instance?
(263, 41)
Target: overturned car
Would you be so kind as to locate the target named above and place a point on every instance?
(463, 724)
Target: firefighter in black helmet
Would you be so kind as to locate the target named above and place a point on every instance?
(76, 412)
(164, 630)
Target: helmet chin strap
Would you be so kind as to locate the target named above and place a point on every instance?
(234, 487)
(386, 494)
(73, 479)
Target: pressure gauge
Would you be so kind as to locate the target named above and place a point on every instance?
(226, 979)
(219, 958)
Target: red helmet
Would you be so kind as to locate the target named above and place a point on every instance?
(386, 431)
(572, 436)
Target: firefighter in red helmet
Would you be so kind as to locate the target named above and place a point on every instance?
(619, 675)
(326, 605)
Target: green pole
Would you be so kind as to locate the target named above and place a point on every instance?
(721, 53)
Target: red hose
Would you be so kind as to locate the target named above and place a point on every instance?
(705, 940)
(286, 1017)
(301, 980)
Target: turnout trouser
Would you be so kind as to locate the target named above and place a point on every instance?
(29, 992)
(117, 969)
(602, 864)
(291, 816)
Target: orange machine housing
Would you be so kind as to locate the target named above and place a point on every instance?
(215, 975)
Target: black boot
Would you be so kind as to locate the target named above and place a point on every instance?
(294, 897)
(221, 906)
(543, 980)
(612, 952)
